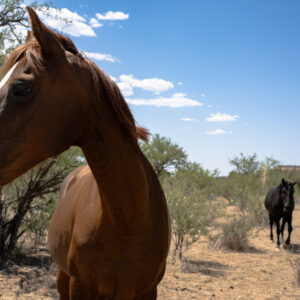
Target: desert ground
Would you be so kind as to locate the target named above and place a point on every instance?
(261, 273)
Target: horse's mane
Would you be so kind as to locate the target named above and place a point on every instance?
(103, 84)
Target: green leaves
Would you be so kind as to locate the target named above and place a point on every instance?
(187, 187)
(187, 197)
(164, 155)
(249, 164)
(13, 20)
(27, 204)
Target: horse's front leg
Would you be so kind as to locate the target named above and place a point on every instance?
(278, 233)
(62, 282)
(290, 229)
(78, 291)
(271, 227)
(282, 229)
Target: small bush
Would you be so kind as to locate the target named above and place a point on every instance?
(234, 235)
(256, 210)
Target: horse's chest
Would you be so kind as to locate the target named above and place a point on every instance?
(115, 269)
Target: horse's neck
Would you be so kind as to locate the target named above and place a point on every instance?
(121, 176)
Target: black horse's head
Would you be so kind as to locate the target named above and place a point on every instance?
(287, 195)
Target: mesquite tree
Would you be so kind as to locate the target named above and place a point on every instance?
(164, 155)
(14, 23)
(26, 205)
(187, 193)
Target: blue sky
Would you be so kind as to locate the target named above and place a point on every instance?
(217, 77)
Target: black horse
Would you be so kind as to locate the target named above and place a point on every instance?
(280, 204)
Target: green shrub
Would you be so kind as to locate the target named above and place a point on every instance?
(257, 211)
(27, 204)
(188, 205)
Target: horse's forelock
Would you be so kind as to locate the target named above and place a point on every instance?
(32, 52)
(11, 60)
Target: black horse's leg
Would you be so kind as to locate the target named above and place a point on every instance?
(284, 219)
(278, 232)
(290, 229)
(271, 227)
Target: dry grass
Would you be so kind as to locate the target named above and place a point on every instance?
(295, 263)
(260, 273)
(234, 234)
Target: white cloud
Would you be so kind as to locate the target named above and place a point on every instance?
(125, 88)
(155, 85)
(174, 101)
(216, 132)
(179, 83)
(112, 78)
(95, 23)
(68, 22)
(189, 120)
(178, 95)
(203, 95)
(101, 56)
(218, 117)
(56, 18)
(113, 16)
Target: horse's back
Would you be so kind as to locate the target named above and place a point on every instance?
(72, 178)
(78, 188)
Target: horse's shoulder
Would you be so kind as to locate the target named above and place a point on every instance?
(274, 188)
(82, 171)
(273, 192)
(75, 176)
(271, 197)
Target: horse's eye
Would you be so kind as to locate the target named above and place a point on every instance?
(20, 89)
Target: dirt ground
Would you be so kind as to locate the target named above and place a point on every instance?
(262, 273)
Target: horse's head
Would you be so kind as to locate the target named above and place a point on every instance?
(287, 195)
(41, 101)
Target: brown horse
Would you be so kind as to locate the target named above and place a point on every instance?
(110, 233)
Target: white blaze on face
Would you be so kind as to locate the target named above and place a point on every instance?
(7, 76)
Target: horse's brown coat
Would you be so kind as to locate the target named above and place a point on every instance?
(110, 232)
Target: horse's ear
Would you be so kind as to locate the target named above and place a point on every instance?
(282, 181)
(44, 35)
(29, 36)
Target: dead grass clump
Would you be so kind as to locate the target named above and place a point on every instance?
(295, 263)
(234, 235)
